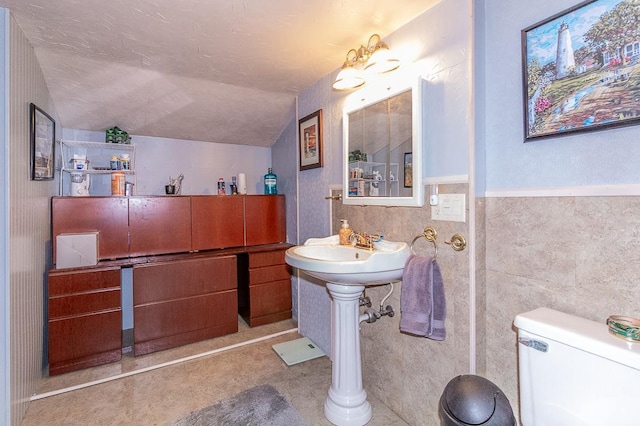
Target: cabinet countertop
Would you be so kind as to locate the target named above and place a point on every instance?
(141, 260)
(156, 195)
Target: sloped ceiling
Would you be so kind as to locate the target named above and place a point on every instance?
(223, 71)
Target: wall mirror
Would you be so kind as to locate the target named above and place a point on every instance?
(382, 140)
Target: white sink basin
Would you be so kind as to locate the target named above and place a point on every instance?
(325, 259)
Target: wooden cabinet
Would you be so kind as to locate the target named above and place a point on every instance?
(146, 226)
(216, 222)
(106, 215)
(264, 287)
(159, 225)
(85, 319)
(184, 301)
(265, 219)
(192, 297)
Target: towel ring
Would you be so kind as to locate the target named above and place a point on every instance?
(429, 234)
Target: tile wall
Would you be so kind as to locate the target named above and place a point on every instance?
(409, 373)
(579, 255)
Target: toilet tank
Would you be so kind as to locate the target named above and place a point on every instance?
(574, 372)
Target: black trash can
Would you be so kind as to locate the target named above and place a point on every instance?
(474, 400)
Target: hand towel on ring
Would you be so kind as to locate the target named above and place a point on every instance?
(422, 299)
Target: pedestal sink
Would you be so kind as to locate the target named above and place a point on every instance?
(346, 271)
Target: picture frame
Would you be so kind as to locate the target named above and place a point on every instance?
(310, 141)
(408, 169)
(581, 70)
(42, 129)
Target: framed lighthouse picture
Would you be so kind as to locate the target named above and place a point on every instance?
(581, 69)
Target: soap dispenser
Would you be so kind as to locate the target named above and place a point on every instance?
(344, 233)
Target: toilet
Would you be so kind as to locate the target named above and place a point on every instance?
(574, 372)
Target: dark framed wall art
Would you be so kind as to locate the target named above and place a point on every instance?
(581, 69)
(43, 132)
(310, 141)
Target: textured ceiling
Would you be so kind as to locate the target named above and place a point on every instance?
(222, 71)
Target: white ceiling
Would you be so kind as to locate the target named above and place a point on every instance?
(222, 71)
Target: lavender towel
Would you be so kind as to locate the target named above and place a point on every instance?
(422, 301)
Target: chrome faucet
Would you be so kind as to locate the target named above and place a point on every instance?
(364, 241)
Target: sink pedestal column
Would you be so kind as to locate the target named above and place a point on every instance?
(347, 401)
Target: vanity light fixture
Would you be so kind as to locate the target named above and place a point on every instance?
(375, 57)
(350, 76)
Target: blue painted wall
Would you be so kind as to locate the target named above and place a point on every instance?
(593, 158)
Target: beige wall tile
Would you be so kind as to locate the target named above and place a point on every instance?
(578, 255)
(409, 373)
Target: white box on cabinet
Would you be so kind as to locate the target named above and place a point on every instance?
(75, 250)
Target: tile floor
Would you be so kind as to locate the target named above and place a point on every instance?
(161, 396)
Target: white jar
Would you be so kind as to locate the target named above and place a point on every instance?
(125, 163)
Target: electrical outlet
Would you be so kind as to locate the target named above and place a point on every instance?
(451, 207)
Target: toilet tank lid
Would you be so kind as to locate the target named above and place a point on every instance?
(580, 333)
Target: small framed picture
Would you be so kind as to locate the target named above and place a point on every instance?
(43, 133)
(310, 141)
(408, 170)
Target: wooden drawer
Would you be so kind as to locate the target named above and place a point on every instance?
(268, 273)
(157, 320)
(64, 282)
(183, 278)
(84, 303)
(84, 335)
(177, 322)
(84, 341)
(266, 258)
(270, 297)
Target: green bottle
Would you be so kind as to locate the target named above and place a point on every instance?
(270, 183)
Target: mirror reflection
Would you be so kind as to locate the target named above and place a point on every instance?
(379, 151)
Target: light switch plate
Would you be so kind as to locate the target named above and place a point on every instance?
(451, 207)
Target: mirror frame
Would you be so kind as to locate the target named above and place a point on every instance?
(366, 97)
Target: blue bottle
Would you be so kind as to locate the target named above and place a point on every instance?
(270, 183)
